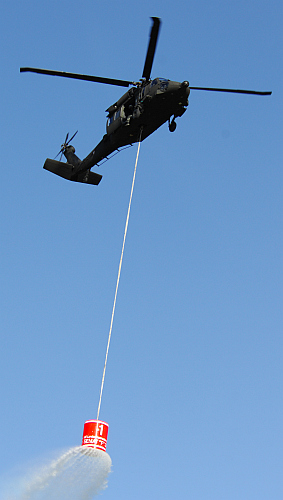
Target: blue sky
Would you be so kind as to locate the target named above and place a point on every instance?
(193, 390)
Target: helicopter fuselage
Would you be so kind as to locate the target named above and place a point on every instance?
(136, 115)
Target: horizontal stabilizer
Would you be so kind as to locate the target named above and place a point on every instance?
(66, 171)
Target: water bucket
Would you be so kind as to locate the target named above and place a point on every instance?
(95, 434)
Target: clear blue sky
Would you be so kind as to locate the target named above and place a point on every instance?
(193, 391)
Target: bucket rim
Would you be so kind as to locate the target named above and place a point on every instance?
(95, 420)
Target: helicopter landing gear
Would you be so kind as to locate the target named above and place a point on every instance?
(172, 125)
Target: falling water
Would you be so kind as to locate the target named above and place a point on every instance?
(77, 474)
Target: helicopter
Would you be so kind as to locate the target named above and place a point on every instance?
(147, 105)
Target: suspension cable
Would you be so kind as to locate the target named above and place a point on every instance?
(119, 273)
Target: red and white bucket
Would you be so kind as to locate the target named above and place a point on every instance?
(95, 434)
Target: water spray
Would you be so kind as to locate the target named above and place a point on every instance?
(79, 473)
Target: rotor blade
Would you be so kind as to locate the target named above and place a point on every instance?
(61, 151)
(89, 78)
(151, 48)
(234, 91)
(71, 138)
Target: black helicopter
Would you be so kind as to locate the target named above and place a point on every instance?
(137, 114)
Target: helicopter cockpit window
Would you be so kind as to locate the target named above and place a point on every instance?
(117, 114)
(163, 83)
(154, 82)
(111, 119)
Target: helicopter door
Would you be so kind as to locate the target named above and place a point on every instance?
(115, 120)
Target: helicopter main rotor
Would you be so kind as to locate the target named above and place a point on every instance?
(77, 76)
(146, 70)
(111, 81)
(151, 48)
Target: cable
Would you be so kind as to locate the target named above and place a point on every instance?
(119, 273)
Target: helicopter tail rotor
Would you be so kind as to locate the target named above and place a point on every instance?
(65, 144)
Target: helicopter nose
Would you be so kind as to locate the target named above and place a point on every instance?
(177, 87)
(174, 86)
(185, 85)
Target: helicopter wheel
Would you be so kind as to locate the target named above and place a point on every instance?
(172, 125)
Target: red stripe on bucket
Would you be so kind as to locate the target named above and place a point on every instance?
(95, 434)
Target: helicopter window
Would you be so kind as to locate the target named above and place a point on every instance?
(111, 119)
(163, 83)
(117, 114)
(154, 82)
